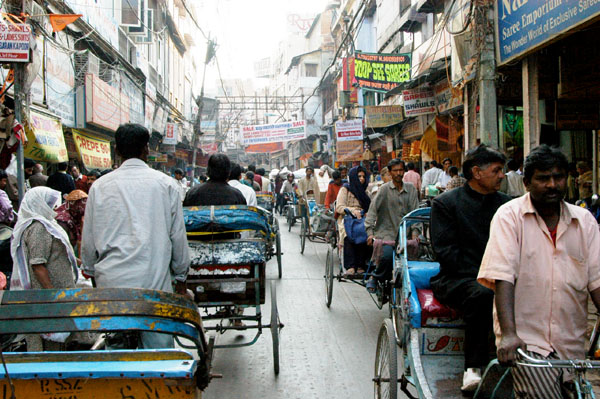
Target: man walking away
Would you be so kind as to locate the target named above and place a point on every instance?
(61, 180)
(456, 180)
(444, 177)
(215, 191)
(460, 224)
(80, 179)
(515, 187)
(412, 176)
(234, 181)
(181, 183)
(134, 234)
(430, 177)
(542, 260)
(38, 178)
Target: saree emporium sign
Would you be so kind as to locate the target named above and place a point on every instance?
(524, 25)
(381, 71)
(274, 133)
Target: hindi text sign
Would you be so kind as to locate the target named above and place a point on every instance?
(383, 115)
(381, 71)
(274, 133)
(349, 130)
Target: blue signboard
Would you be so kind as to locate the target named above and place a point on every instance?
(523, 25)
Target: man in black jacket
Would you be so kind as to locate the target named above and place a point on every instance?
(460, 224)
(61, 180)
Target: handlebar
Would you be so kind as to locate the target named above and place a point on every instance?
(578, 364)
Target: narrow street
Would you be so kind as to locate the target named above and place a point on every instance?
(326, 353)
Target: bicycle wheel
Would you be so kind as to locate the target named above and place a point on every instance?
(329, 276)
(386, 366)
(275, 328)
(303, 233)
(278, 249)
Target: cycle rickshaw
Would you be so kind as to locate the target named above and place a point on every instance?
(227, 273)
(266, 200)
(317, 224)
(291, 209)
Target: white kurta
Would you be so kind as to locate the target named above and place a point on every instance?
(246, 191)
(133, 233)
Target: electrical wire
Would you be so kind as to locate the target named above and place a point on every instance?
(194, 19)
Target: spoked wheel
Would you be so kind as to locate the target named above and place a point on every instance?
(290, 220)
(278, 249)
(275, 328)
(386, 363)
(303, 236)
(329, 276)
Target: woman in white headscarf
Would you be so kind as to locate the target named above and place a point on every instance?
(42, 254)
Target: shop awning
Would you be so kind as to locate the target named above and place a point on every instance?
(45, 139)
(93, 151)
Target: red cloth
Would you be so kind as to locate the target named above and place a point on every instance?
(432, 308)
(332, 193)
(553, 234)
(82, 184)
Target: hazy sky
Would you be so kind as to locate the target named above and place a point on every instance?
(246, 31)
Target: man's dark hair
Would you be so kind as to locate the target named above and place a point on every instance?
(105, 172)
(309, 168)
(342, 167)
(29, 163)
(260, 171)
(410, 166)
(236, 171)
(544, 158)
(62, 166)
(434, 164)
(131, 139)
(512, 164)
(3, 174)
(250, 175)
(252, 168)
(481, 156)
(178, 172)
(453, 170)
(336, 175)
(218, 167)
(94, 173)
(394, 162)
(203, 178)
(447, 159)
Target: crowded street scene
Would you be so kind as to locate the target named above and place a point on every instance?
(389, 199)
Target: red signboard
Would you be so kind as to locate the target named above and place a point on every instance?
(264, 148)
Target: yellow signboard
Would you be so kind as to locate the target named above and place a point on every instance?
(383, 115)
(93, 151)
(45, 140)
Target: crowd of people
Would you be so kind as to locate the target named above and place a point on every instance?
(126, 229)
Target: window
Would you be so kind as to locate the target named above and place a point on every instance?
(310, 70)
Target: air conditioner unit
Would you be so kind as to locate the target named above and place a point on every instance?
(85, 63)
(37, 12)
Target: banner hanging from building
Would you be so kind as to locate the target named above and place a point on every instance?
(418, 102)
(45, 139)
(347, 151)
(381, 71)
(274, 133)
(93, 151)
(171, 134)
(210, 148)
(14, 42)
(349, 130)
(383, 115)
(263, 148)
(524, 26)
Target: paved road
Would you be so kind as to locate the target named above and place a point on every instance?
(325, 353)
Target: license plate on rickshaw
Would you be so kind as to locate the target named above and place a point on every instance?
(81, 388)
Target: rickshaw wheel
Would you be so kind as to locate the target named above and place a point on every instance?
(386, 363)
(275, 328)
(303, 236)
(329, 276)
(278, 249)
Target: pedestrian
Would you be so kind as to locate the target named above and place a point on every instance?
(344, 172)
(584, 182)
(265, 183)
(38, 178)
(412, 176)
(394, 200)
(70, 216)
(514, 181)
(460, 224)
(444, 177)
(181, 183)
(430, 178)
(134, 234)
(43, 257)
(80, 179)
(542, 260)
(6, 209)
(333, 188)
(61, 180)
(255, 176)
(92, 176)
(234, 181)
(456, 180)
(215, 191)
(12, 187)
(572, 191)
(280, 201)
(308, 186)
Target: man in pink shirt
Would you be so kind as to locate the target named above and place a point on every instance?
(411, 176)
(542, 259)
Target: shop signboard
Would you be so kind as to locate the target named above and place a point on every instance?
(103, 106)
(60, 81)
(101, 15)
(523, 26)
(412, 129)
(94, 152)
(210, 148)
(160, 119)
(349, 150)
(171, 134)
(274, 133)
(263, 148)
(45, 139)
(418, 102)
(349, 130)
(158, 157)
(135, 99)
(447, 98)
(383, 116)
(14, 42)
(381, 72)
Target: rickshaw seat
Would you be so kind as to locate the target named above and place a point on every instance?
(226, 252)
(425, 309)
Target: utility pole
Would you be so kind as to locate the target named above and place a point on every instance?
(488, 112)
(210, 53)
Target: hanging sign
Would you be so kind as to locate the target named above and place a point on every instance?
(349, 150)
(381, 71)
(383, 115)
(171, 133)
(14, 42)
(45, 139)
(349, 130)
(94, 152)
(418, 102)
(274, 133)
